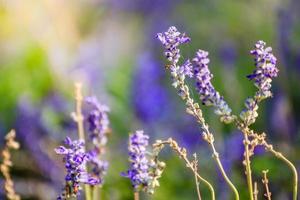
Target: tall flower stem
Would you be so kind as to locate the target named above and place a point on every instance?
(248, 165)
(171, 40)
(194, 109)
(79, 119)
(136, 196)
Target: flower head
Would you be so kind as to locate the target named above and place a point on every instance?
(98, 128)
(98, 121)
(171, 40)
(139, 171)
(208, 95)
(75, 159)
(266, 69)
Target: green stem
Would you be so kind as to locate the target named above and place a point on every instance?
(248, 166)
(212, 191)
(292, 167)
(216, 157)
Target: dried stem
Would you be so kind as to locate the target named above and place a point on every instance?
(182, 154)
(78, 117)
(248, 165)
(265, 181)
(7, 163)
(196, 178)
(255, 192)
(136, 196)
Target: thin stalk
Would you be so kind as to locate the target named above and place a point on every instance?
(255, 192)
(291, 166)
(210, 139)
(136, 196)
(79, 120)
(196, 178)
(216, 157)
(248, 166)
(190, 165)
(265, 181)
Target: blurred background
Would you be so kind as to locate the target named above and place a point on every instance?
(110, 46)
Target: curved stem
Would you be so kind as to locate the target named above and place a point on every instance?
(196, 178)
(292, 167)
(248, 166)
(172, 143)
(212, 191)
(216, 157)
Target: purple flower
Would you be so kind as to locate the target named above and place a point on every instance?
(266, 69)
(187, 69)
(98, 121)
(99, 167)
(98, 128)
(75, 159)
(171, 40)
(139, 171)
(208, 95)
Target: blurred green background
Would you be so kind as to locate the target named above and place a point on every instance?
(110, 46)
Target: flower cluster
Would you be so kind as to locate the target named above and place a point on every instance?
(171, 40)
(139, 172)
(99, 167)
(266, 69)
(75, 159)
(208, 95)
(98, 128)
(98, 121)
(145, 169)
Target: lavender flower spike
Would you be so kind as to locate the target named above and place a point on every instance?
(98, 121)
(139, 171)
(74, 159)
(98, 128)
(208, 95)
(171, 40)
(266, 69)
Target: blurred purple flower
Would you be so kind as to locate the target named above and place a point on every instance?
(98, 121)
(30, 129)
(149, 96)
(98, 129)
